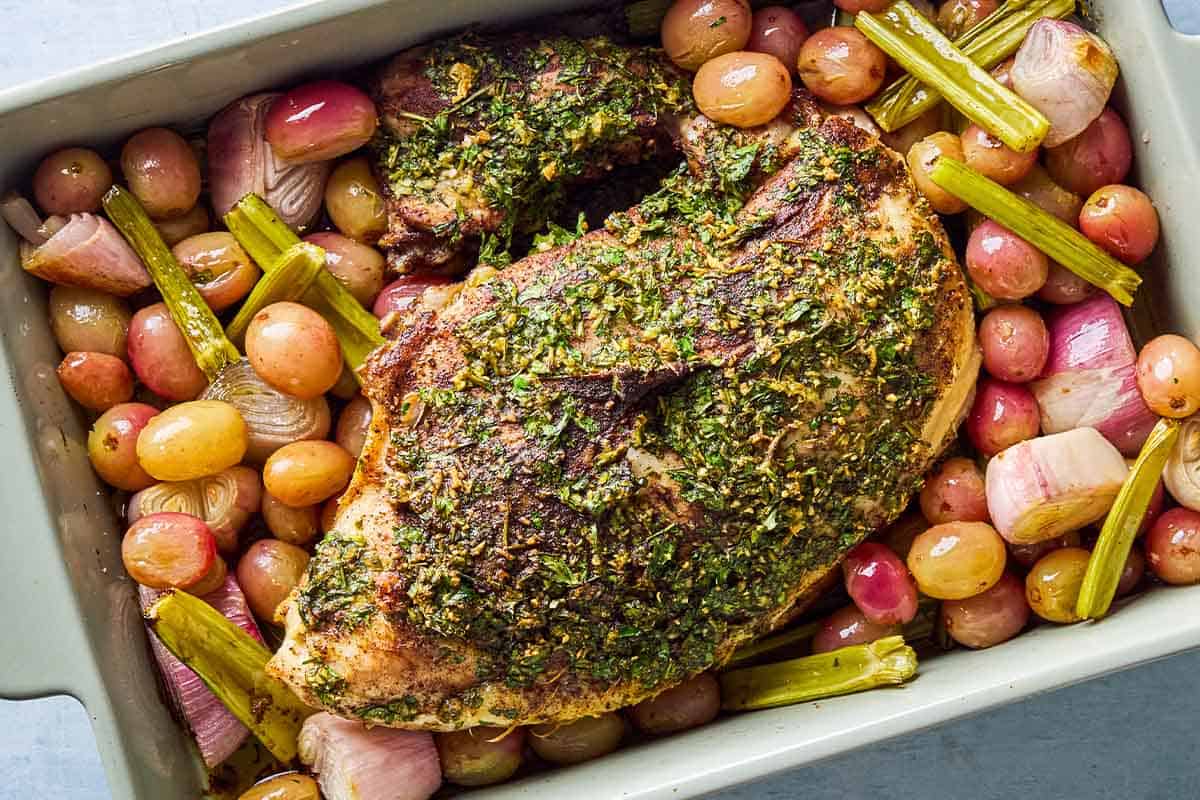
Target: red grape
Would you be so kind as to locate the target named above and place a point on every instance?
(162, 172)
(954, 493)
(956, 560)
(1015, 343)
(1063, 287)
(1168, 376)
(848, 626)
(955, 17)
(1122, 220)
(160, 355)
(96, 381)
(168, 550)
(1101, 155)
(1173, 546)
(112, 446)
(319, 121)
(268, 572)
(1003, 264)
(841, 66)
(991, 157)
(879, 584)
(1131, 575)
(988, 618)
(1002, 415)
(1028, 554)
(404, 291)
(71, 181)
(778, 31)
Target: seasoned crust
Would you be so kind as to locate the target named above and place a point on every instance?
(840, 255)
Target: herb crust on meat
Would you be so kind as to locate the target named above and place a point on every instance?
(597, 471)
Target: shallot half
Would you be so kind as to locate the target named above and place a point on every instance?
(354, 762)
(1182, 473)
(1045, 487)
(1067, 74)
(88, 252)
(1090, 376)
(240, 162)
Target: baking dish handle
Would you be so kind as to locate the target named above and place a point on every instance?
(62, 583)
(43, 646)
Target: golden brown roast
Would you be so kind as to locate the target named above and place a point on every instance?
(601, 469)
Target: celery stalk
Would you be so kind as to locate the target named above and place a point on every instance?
(232, 665)
(993, 39)
(1043, 230)
(768, 644)
(259, 230)
(884, 662)
(907, 36)
(290, 277)
(1121, 525)
(200, 327)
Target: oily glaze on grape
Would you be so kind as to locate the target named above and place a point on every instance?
(841, 66)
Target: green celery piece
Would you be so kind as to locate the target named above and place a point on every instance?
(884, 662)
(232, 665)
(987, 43)
(1041, 229)
(290, 277)
(749, 652)
(1123, 521)
(199, 325)
(264, 236)
(907, 36)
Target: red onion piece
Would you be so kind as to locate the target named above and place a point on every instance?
(1066, 73)
(1045, 487)
(320, 120)
(353, 761)
(217, 732)
(21, 216)
(1089, 379)
(90, 253)
(240, 162)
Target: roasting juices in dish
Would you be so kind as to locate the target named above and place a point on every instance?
(431, 477)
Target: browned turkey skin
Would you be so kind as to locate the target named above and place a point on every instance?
(598, 471)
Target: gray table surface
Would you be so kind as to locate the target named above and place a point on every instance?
(1126, 736)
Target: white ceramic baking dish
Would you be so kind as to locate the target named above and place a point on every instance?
(68, 618)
